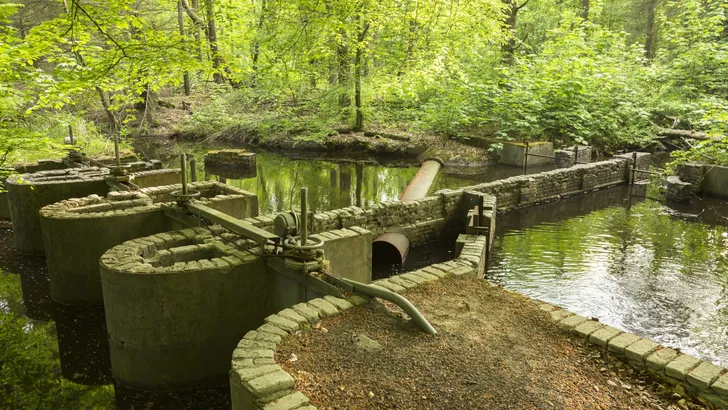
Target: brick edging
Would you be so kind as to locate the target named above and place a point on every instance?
(700, 378)
(258, 382)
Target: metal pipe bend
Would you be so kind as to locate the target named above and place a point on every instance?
(395, 298)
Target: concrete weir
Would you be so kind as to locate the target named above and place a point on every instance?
(185, 273)
(120, 216)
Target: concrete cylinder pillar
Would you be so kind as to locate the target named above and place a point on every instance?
(176, 306)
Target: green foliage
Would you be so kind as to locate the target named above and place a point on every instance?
(704, 152)
(29, 364)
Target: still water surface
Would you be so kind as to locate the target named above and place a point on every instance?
(633, 267)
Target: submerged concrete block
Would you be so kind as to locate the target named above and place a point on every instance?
(678, 190)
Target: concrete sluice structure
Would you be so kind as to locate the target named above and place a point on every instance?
(179, 291)
(28, 193)
(73, 260)
(178, 303)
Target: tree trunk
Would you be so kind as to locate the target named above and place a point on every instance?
(511, 21)
(651, 5)
(211, 32)
(359, 182)
(359, 120)
(217, 62)
(198, 42)
(585, 9)
(343, 72)
(256, 43)
(181, 22)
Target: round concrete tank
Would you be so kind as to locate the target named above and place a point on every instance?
(28, 193)
(176, 306)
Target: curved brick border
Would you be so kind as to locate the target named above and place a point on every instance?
(698, 377)
(258, 382)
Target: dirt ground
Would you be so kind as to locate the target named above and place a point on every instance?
(494, 350)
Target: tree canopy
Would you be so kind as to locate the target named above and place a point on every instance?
(605, 72)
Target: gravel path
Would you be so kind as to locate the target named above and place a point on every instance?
(494, 350)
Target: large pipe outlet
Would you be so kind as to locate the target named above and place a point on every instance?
(392, 248)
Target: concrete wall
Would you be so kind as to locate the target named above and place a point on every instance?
(176, 305)
(4, 206)
(349, 252)
(716, 181)
(72, 257)
(28, 193)
(157, 177)
(514, 153)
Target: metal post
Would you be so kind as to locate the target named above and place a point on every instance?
(576, 154)
(116, 151)
(525, 160)
(480, 210)
(634, 166)
(183, 161)
(304, 216)
(70, 134)
(193, 169)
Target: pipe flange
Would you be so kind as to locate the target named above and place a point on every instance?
(293, 243)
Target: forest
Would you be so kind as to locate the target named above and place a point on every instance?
(614, 74)
(610, 73)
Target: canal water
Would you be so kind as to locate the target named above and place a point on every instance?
(628, 263)
(331, 184)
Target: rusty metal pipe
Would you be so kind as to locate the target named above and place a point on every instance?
(422, 181)
(392, 248)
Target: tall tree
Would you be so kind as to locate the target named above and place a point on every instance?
(181, 23)
(511, 26)
(650, 28)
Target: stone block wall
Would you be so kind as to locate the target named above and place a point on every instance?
(699, 378)
(258, 383)
(155, 177)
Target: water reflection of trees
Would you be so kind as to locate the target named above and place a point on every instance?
(633, 268)
(330, 185)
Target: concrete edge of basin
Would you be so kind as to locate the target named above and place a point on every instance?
(700, 379)
(258, 382)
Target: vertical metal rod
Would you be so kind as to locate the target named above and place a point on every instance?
(70, 134)
(631, 182)
(525, 160)
(183, 161)
(480, 210)
(193, 169)
(116, 151)
(576, 154)
(304, 216)
(634, 166)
